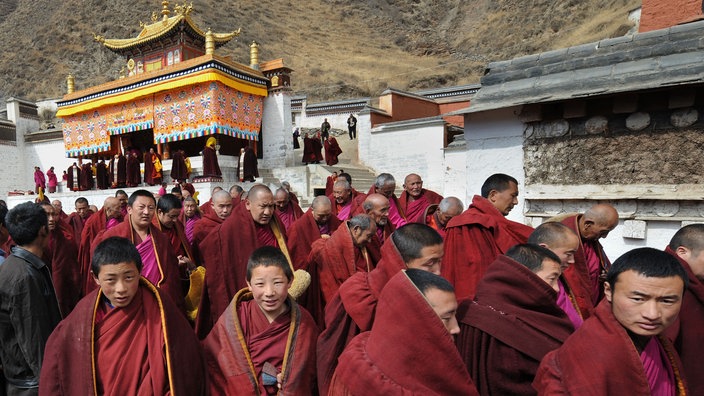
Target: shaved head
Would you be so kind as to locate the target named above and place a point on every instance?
(598, 221)
(322, 209)
(559, 239)
(260, 204)
(321, 201)
(222, 204)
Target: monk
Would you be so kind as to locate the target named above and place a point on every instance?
(121, 195)
(415, 322)
(590, 261)
(317, 148)
(377, 207)
(149, 170)
(291, 195)
(211, 168)
(621, 350)
(101, 175)
(308, 150)
(480, 234)
(561, 240)
(687, 246)
(168, 210)
(415, 199)
(345, 202)
(61, 256)
(437, 216)
(220, 209)
(86, 179)
(207, 207)
(186, 186)
(352, 310)
(287, 210)
(59, 209)
(329, 182)
(252, 225)
(264, 343)
(52, 181)
(160, 265)
(189, 217)
(385, 184)
(179, 171)
(337, 258)
(106, 218)
(125, 338)
(513, 321)
(236, 192)
(77, 220)
(134, 176)
(117, 170)
(247, 169)
(73, 177)
(332, 151)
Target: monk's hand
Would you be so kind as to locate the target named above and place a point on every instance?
(279, 379)
(190, 265)
(324, 236)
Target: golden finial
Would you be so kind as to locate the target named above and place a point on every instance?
(98, 38)
(154, 17)
(209, 42)
(122, 72)
(165, 10)
(254, 55)
(70, 84)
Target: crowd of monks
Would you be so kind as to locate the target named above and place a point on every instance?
(364, 293)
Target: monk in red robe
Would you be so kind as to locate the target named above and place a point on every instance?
(480, 234)
(620, 350)
(121, 195)
(513, 321)
(220, 209)
(189, 217)
(149, 168)
(287, 210)
(60, 210)
(317, 148)
(125, 338)
(179, 171)
(73, 177)
(77, 220)
(437, 216)
(117, 170)
(308, 150)
(329, 182)
(134, 175)
(60, 255)
(687, 245)
(345, 202)
(86, 179)
(101, 175)
(415, 322)
(377, 207)
(211, 167)
(337, 258)
(264, 343)
(250, 226)
(160, 265)
(332, 151)
(352, 310)
(590, 261)
(415, 199)
(106, 218)
(385, 184)
(247, 165)
(166, 220)
(208, 206)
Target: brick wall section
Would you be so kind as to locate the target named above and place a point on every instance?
(658, 14)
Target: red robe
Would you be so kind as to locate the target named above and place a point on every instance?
(117, 171)
(356, 200)
(148, 169)
(352, 311)
(414, 210)
(332, 151)
(512, 323)
(587, 289)
(428, 218)
(150, 346)
(77, 224)
(308, 151)
(335, 259)
(170, 279)
(179, 170)
(61, 255)
(207, 207)
(600, 359)
(686, 332)
(406, 333)
(94, 225)
(474, 239)
(317, 150)
(289, 215)
(86, 179)
(134, 176)
(101, 175)
(211, 167)
(201, 229)
(235, 350)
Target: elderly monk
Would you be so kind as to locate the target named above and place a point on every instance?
(480, 234)
(415, 199)
(287, 210)
(437, 216)
(220, 209)
(345, 202)
(106, 218)
(415, 322)
(352, 310)
(620, 350)
(687, 245)
(59, 209)
(166, 220)
(236, 192)
(77, 220)
(377, 207)
(125, 338)
(590, 261)
(160, 265)
(561, 240)
(385, 184)
(122, 196)
(189, 216)
(208, 206)
(342, 255)
(61, 256)
(513, 321)
(291, 195)
(252, 225)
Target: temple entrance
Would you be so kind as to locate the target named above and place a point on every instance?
(192, 147)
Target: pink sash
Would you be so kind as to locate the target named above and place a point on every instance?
(344, 213)
(324, 229)
(150, 266)
(111, 223)
(658, 369)
(564, 302)
(394, 216)
(190, 226)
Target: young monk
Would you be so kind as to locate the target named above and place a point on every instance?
(124, 338)
(264, 342)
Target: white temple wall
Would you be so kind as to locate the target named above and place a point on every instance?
(12, 174)
(336, 120)
(455, 171)
(276, 131)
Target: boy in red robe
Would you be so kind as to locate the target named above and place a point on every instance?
(620, 350)
(124, 338)
(264, 343)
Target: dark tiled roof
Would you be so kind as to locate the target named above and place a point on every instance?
(660, 58)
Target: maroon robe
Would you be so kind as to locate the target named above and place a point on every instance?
(134, 177)
(474, 239)
(512, 323)
(686, 332)
(61, 255)
(428, 218)
(352, 311)
(317, 150)
(93, 226)
(329, 183)
(238, 346)
(379, 360)
(101, 175)
(148, 168)
(332, 151)
(356, 200)
(73, 181)
(121, 172)
(179, 170)
(301, 235)
(208, 207)
(86, 179)
(600, 359)
(249, 166)
(414, 211)
(211, 167)
(290, 214)
(308, 151)
(148, 344)
(77, 224)
(201, 229)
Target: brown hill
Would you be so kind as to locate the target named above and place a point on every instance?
(338, 48)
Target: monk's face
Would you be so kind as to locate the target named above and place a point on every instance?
(112, 209)
(429, 260)
(594, 231)
(82, 209)
(119, 282)
(57, 205)
(360, 237)
(51, 216)
(142, 212)
(694, 258)
(505, 200)
(222, 205)
(269, 286)
(189, 208)
(341, 194)
(550, 273)
(261, 207)
(380, 213)
(322, 214)
(413, 185)
(281, 200)
(444, 303)
(123, 200)
(645, 306)
(565, 249)
(169, 218)
(387, 190)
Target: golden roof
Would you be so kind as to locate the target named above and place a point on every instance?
(162, 27)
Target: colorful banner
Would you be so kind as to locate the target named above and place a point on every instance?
(86, 133)
(136, 115)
